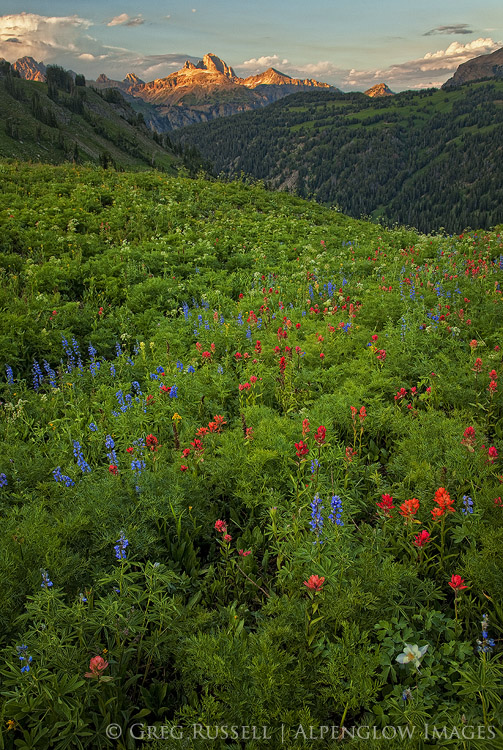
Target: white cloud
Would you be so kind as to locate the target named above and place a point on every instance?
(87, 57)
(41, 37)
(124, 20)
(259, 64)
(431, 70)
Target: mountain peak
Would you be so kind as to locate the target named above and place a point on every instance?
(30, 69)
(133, 79)
(380, 89)
(214, 64)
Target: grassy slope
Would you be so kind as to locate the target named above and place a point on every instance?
(129, 146)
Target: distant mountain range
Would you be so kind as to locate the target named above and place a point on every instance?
(198, 92)
(209, 89)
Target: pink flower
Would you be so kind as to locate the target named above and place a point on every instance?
(474, 343)
(97, 665)
(381, 354)
(227, 538)
(221, 526)
(245, 553)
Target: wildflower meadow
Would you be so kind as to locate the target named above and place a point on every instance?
(251, 478)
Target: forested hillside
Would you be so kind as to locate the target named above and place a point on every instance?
(427, 159)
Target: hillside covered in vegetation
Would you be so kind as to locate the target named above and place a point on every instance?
(250, 470)
(426, 159)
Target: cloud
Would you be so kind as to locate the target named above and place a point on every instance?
(124, 20)
(259, 64)
(431, 70)
(87, 57)
(454, 28)
(42, 37)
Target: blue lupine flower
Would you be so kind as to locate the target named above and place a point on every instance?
(336, 510)
(118, 350)
(81, 461)
(46, 581)
(82, 599)
(3, 480)
(22, 652)
(248, 333)
(220, 370)
(10, 376)
(110, 445)
(130, 361)
(160, 370)
(186, 312)
(120, 547)
(112, 371)
(314, 465)
(136, 387)
(190, 369)
(51, 374)
(316, 521)
(154, 376)
(37, 375)
(137, 466)
(240, 319)
(136, 348)
(179, 365)
(173, 393)
(468, 505)
(93, 427)
(486, 644)
(92, 351)
(59, 477)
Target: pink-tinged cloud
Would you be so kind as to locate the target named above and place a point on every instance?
(125, 20)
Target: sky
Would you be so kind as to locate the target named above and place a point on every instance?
(352, 45)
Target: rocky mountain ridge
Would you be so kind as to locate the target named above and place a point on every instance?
(484, 66)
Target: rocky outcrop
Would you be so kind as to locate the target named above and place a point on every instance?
(380, 89)
(30, 69)
(484, 66)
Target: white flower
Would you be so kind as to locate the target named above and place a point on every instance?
(412, 653)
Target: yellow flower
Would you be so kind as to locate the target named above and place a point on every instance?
(176, 417)
(11, 724)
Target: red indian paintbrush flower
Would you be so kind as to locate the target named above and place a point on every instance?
(97, 665)
(421, 539)
(320, 435)
(444, 502)
(456, 583)
(409, 508)
(221, 526)
(301, 449)
(152, 442)
(315, 583)
(386, 504)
